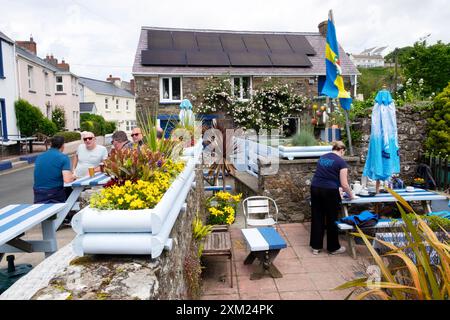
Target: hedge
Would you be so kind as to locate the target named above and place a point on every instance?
(69, 136)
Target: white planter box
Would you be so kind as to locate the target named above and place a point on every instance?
(120, 231)
(303, 152)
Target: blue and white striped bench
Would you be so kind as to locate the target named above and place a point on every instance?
(218, 188)
(265, 244)
(16, 219)
(382, 223)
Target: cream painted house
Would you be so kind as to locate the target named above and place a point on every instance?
(111, 101)
(46, 84)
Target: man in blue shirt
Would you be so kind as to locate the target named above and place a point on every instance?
(52, 169)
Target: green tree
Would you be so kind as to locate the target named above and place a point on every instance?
(96, 124)
(430, 63)
(59, 118)
(47, 127)
(438, 129)
(372, 79)
(28, 117)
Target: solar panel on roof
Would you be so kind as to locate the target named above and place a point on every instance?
(277, 43)
(232, 43)
(159, 39)
(244, 59)
(290, 60)
(255, 42)
(207, 58)
(184, 40)
(300, 44)
(163, 57)
(209, 41)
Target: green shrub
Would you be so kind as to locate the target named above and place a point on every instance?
(28, 117)
(438, 126)
(69, 136)
(59, 118)
(306, 135)
(47, 127)
(96, 124)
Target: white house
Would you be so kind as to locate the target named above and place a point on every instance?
(111, 101)
(369, 58)
(8, 88)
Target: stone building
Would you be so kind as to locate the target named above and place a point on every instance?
(173, 64)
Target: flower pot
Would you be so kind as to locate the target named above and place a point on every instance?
(303, 152)
(120, 231)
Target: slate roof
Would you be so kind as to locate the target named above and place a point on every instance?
(30, 56)
(6, 38)
(105, 87)
(87, 106)
(315, 39)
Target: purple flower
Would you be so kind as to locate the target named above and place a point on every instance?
(159, 163)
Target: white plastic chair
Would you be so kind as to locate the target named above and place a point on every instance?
(257, 212)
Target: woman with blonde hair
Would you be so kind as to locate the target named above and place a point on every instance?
(330, 175)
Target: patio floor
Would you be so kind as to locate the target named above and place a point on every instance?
(305, 276)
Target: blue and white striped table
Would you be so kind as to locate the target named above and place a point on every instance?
(18, 218)
(418, 194)
(265, 244)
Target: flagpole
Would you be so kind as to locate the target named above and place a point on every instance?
(347, 122)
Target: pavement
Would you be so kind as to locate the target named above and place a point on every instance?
(305, 276)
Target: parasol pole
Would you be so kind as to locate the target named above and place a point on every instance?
(347, 122)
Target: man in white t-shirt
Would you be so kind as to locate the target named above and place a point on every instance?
(89, 154)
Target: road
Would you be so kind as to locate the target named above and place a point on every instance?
(16, 187)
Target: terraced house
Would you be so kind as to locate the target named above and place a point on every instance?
(8, 91)
(47, 83)
(173, 64)
(113, 99)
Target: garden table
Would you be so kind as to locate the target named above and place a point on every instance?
(25, 140)
(15, 219)
(424, 196)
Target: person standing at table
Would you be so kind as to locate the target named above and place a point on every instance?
(331, 174)
(51, 171)
(89, 154)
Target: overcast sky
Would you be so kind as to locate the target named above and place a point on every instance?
(99, 37)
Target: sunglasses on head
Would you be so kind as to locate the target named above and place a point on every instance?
(135, 134)
(88, 138)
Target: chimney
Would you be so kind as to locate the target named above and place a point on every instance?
(28, 45)
(132, 86)
(323, 28)
(51, 60)
(112, 79)
(63, 66)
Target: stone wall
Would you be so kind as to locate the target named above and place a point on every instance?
(290, 187)
(300, 85)
(411, 125)
(131, 277)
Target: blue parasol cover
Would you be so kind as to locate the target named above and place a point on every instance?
(383, 159)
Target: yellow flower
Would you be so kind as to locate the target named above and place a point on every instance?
(120, 201)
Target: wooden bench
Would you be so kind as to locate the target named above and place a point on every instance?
(265, 244)
(218, 243)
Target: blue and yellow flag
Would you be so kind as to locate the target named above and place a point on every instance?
(334, 83)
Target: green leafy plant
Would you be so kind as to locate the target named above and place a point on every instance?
(402, 278)
(192, 271)
(59, 117)
(29, 117)
(199, 232)
(47, 127)
(69, 136)
(438, 125)
(95, 124)
(306, 135)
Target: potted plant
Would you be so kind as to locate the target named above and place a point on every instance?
(222, 208)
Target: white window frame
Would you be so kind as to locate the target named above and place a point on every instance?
(30, 77)
(59, 84)
(127, 105)
(241, 88)
(117, 105)
(106, 104)
(161, 93)
(74, 86)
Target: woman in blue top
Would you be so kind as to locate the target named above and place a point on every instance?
(331, 174)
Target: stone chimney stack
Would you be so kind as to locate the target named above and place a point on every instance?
(323, 26)
(28, 45)
(132, 86)
(50, 59)
(63, 66)
(115, 81)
